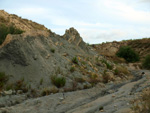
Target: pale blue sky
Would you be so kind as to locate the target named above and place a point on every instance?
(96, 20)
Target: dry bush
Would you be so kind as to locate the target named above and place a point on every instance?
(108, 76)
(142, 104)
(48, 91)
(3, 20)
(94, 79)
(20, 85)
(105, 77)
(116, 59)
(121, 69)
(79, 79)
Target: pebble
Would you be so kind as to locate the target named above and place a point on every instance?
(115, 105)
(19, 91)
(101, 110)
(113, 96)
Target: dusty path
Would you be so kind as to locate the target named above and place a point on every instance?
(112, 98)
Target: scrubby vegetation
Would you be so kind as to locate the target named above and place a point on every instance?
(3, 79)
(41, 81)
(53, 50)
(5, 30)
(142, 104)
(109, 66)
(75, 60)
(94, 79)
(121, 69)
(58, 81)
(72, 69)
(146, 62)
(48, 91)
(79, 79)
(20, 85)
(105, 77)
(45, 92)
(128, 54)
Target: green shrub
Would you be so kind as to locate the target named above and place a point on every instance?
(75, 60)
(58, 81)
(3, 79)
(72, 69)
(128, 54)
(41, 81)
(5, 30)
(53, 50)
(109, 66)
(146, 62)
(101, 108)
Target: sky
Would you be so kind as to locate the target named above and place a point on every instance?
(97, 21)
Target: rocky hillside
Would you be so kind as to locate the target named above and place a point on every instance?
(109, 49)
(23, 24)
(40, 59)
(41, 71)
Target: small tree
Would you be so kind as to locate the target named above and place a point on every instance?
(146, 62)
(128, 54)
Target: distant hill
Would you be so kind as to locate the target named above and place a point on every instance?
(23, 24)
(109, 49)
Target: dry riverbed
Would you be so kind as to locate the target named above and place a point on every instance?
(109, 98)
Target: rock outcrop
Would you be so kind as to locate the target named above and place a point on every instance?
(74, 37)
(38, 53)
